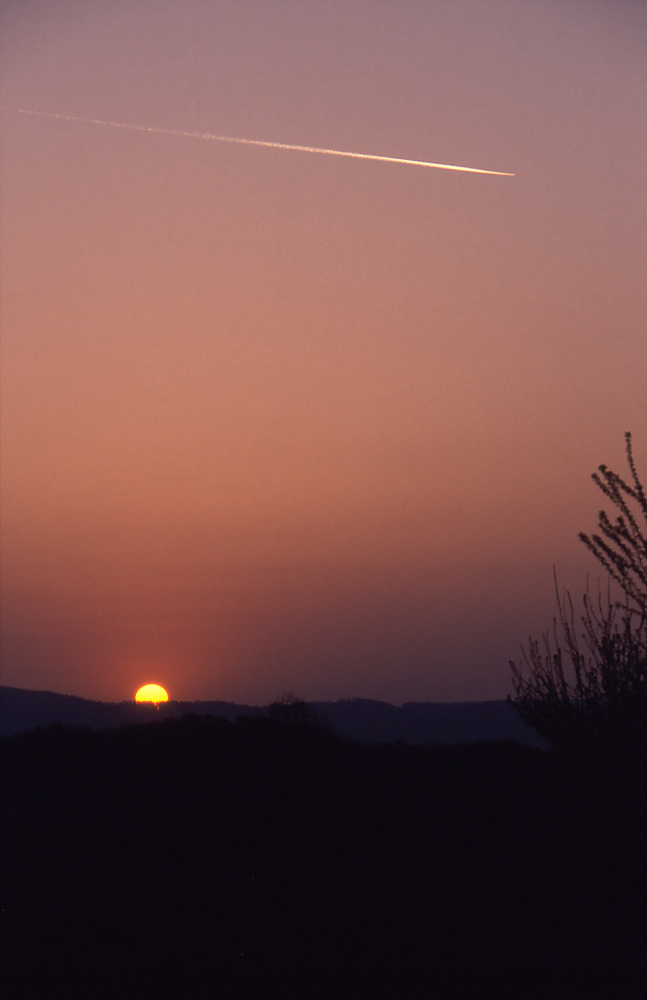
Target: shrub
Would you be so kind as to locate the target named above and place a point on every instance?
(590, 689)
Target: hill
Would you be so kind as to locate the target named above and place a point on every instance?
(364, 720)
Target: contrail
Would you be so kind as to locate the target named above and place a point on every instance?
(261, 142)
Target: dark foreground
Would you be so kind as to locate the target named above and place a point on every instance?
(269, 859)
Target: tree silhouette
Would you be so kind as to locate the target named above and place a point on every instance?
(590, 689)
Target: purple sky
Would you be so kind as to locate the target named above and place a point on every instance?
(274, 421)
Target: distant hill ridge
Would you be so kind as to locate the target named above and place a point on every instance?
(360, 719)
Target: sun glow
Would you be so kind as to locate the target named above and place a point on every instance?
(151, 692)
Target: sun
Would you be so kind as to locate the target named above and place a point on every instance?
(151, 692)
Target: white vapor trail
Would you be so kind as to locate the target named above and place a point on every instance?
(261, 142)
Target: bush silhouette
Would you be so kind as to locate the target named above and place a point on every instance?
(586, 684)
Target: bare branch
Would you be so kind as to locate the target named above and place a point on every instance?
(596, 694)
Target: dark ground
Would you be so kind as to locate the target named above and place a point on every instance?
(264, 858)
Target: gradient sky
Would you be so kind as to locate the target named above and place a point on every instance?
(274, 421)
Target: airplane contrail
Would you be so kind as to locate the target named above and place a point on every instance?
(261, 142)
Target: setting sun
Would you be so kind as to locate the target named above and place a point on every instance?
(151, 692)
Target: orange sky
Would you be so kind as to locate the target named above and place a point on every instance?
(273, 421)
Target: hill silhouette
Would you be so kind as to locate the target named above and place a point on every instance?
(364, 720)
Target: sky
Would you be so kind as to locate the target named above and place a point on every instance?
(274, 421)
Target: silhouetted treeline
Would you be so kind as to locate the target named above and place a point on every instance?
(270, 858)
(361, 719)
